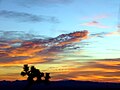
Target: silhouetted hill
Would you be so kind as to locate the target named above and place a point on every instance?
(59, 85)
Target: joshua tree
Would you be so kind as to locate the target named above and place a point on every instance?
(34, 73)
(47, 77)
(25, 70)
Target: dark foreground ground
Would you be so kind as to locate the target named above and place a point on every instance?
(58, 85)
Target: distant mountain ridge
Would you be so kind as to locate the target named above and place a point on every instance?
(59, 85)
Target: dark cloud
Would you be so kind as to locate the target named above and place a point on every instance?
(27, 17)
(55, 1)
(18, 36)
(8, 59)
(32, 3)
(118, 26)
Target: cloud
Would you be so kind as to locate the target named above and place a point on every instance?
(102, 34)
(104, 70)
(99, 70)
(43, 2)
(8, 59)
(102, 16)
(116, 33)
(96, 17)
(94, 24)
(48, 51)
(27, 17)
(16, 36)
(118, 26)
(16, 49)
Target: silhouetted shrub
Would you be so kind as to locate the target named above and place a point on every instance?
(34, 73)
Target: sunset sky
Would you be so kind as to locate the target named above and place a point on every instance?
(71, 39)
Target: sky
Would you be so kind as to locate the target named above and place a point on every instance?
(71, 39)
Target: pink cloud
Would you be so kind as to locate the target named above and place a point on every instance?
(96, 17)
(95, 24)
(102, 16)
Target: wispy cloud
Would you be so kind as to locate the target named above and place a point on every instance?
(97, 17)
(117, 33)
(27, 17)
(102, 16)
(103, 34)
(104, 70)
(98, 70)
(95, 24)
(32, 3)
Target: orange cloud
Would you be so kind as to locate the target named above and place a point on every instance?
(100, 71)
(114, 33)
(29, 50)
(4, 45)
(73, 37)
(23, 51)
(28, 61)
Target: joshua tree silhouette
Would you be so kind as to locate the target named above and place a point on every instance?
(34, 73)
(47, 77)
